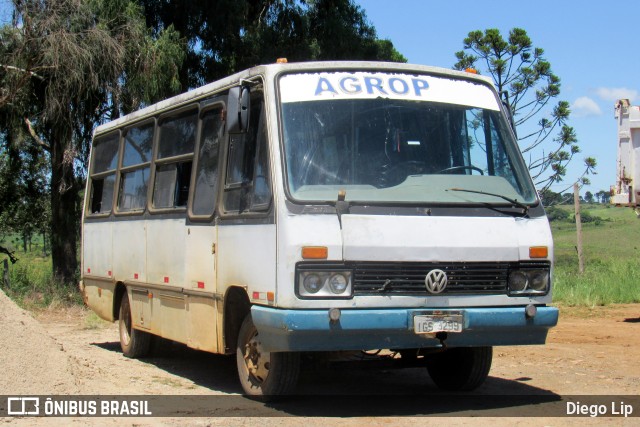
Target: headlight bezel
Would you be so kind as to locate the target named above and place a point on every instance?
(531, 275)
(326, 272)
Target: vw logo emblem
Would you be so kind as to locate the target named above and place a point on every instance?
(436, 281)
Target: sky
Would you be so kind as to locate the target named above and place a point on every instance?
(592, 47)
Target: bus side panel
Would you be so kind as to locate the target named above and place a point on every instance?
(166, 267)
(97, 250)
(200, 258)
(200, 276)
(141, 314)
(201, 328)
(247, 257)
(166, 252)
(129, 251)
(170, 315)
(99, 297)
(97, 274)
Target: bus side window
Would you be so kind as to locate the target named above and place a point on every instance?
(206, 179)
(103, 173)
(174, 159)
(136, 160)
(247, 187)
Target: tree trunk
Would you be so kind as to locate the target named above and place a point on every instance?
(64, 208)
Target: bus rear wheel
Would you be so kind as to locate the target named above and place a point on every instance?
(134, 343)
(264, 374)
(460, 369)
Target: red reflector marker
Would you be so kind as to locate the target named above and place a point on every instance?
(135, 276)
(166, 279)
(256, 295)
(201, 285)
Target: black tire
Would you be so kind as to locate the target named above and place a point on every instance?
(134, 343)
(460, 369)
(264, 374)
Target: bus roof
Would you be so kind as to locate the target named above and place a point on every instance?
(273, 69)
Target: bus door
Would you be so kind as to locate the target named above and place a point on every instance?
(202, 231)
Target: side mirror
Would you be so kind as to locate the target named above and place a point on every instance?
(238, 107)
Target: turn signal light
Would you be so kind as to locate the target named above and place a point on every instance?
(315, 252)
(538, 252)
(281, 61)
(471, 70)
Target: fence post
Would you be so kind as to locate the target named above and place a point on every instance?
(576, 202)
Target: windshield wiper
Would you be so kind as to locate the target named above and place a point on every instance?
(513, 202)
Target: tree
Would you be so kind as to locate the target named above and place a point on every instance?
(603, 196)
(66, 66)
(226, 36)
(550, 198)
(24, 198)
(588, 197)
(528, 86)
(555, 213)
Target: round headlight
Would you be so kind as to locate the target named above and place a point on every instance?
(312, 283)
(518, 281)
(538, 280)
(338, 283)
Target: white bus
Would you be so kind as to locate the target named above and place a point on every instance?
(320, 207)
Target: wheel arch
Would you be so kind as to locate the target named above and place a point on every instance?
(119, 289)
(236, 307)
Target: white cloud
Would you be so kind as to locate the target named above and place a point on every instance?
(585, 107)
(615, 93)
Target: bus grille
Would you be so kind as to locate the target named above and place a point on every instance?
(408, 278)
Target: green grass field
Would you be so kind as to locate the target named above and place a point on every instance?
(32, 284)
(612, 265)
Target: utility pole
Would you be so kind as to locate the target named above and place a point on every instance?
(576, 202)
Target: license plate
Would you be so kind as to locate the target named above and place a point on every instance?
(432, 324)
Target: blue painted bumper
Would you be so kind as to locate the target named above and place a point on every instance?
(367, 329)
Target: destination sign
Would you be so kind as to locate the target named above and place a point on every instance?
(369, 85)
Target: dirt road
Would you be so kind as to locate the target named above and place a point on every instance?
(69, 351)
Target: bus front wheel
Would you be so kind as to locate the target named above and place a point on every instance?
(264, 374)
(134, 343)
(460, 369)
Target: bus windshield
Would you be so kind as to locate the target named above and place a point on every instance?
(394, 138)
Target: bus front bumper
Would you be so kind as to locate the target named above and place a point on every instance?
(368, 329)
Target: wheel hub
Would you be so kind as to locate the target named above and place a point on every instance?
(256, 359)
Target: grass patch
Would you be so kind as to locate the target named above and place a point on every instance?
(32, 285)
(93, 321)
(604, 282)
(610, 247)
